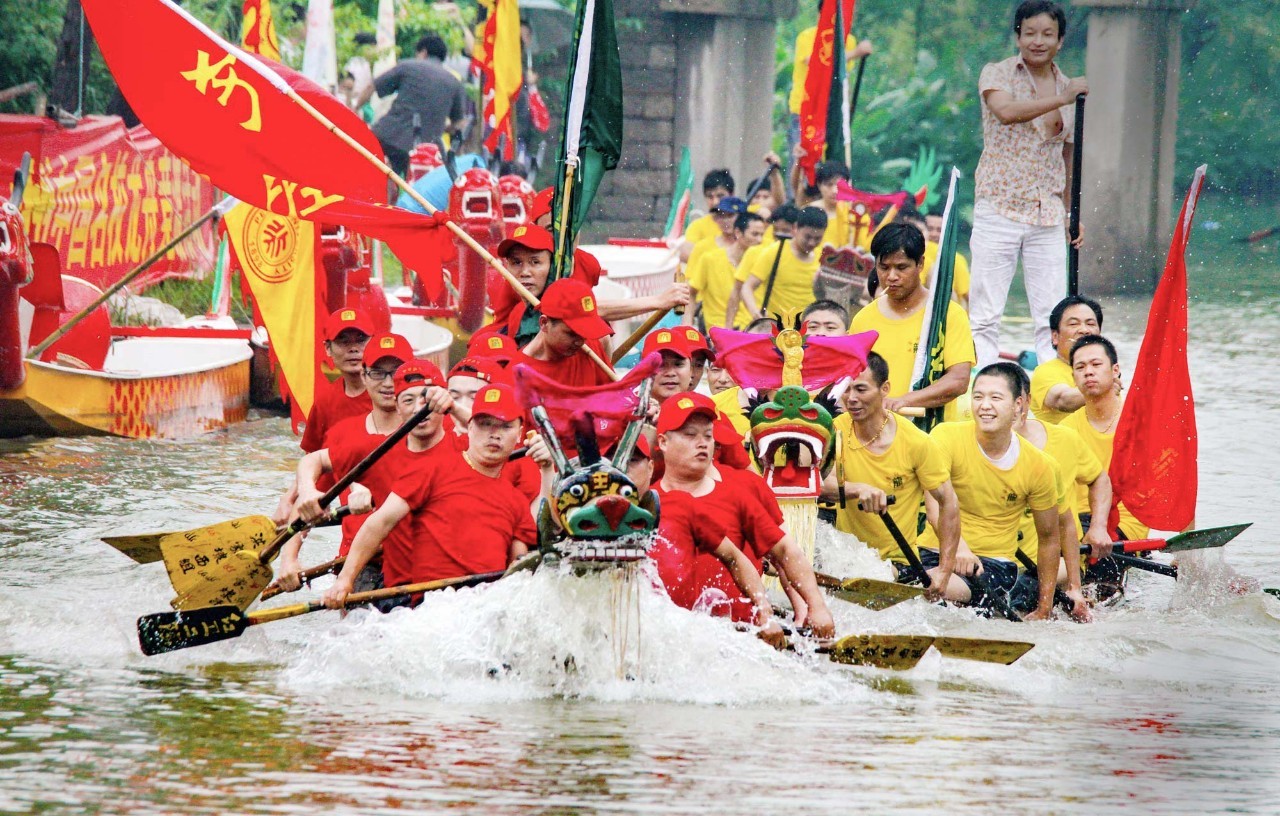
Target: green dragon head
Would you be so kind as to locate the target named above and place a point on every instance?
(791, 440)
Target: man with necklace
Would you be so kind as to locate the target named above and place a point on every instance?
(881, 455)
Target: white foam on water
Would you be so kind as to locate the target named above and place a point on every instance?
(552, 634)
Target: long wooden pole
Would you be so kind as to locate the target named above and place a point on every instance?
(1077, 165)
(458, 231)
(57, 335)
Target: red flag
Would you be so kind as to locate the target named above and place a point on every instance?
(818, 81)
(753, 360)
(1153, 463)
(611, 405)
(228, 114)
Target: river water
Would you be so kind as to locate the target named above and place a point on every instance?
(508, 699)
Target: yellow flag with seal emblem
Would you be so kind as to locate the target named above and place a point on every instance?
(276, 255)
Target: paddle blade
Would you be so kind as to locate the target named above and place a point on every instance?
(875, 595)
(170, 631)
(1003, 652)
(144, 549)
(216, 565)
(1203, 539)
(882, 651)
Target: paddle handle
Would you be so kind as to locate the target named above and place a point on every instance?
(307, 575)
(298, 525)
(458, 231)
(913, 558)
(1145, 564)
(636, 336)
(1131, 546)
(358, 598)
(1077, 164)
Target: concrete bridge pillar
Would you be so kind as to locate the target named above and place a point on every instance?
(1132, 63)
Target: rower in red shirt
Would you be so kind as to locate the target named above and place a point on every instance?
(463, 518)
(497, 347)
(686, 439)
(569, 321)
(346, 333)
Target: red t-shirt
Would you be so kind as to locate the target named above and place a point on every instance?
(574, 371)
(462, 522)
(683, 534)
(524, 475)
(332, 405)
(349, 442)
(735, 507)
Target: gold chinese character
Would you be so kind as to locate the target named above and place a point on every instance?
(204, 75)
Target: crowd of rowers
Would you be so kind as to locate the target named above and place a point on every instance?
(1027, 473)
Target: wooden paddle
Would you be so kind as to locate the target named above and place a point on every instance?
(170, 631)
(867, 592)
(234, 566)
(307, 576)
(902, 652)
(145, 548)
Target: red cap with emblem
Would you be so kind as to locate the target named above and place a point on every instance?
(573, 302)
(529, 236)
(498, 401)
(387, 345)
(482, 368)
(417, 373)
(497, 347)
(695, 342)
(542, 203)
(671, 340)
(679, 407)
(344, 319)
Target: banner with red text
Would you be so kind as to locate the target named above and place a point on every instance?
(107, 197)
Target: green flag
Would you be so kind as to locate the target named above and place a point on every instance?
(933, 331)
(678, 216)
(592, 143)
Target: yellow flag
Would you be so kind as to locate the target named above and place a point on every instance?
(503, 73)
(277, 255)
(258, 30)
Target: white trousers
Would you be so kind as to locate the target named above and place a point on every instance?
(996, 246)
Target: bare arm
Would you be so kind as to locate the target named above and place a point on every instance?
(953, 382)
(367, 544)
(1100, 497)
(947, 525)
(678, 294)
(735, 300)
(791, 562)
(307, 505)
(1046, 560)
(1063, 397)
(749, 295)
(1010, 111)
(746, 578)
(366, 93)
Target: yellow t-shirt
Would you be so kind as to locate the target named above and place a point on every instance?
(752, 255)
(793, 286)
(910, 466)
(712, 278)
(837, 232)
(727, 403)
(992, 500)
(800, 68)
(1077, 465)
(959, 282)
(701, 229)
(1100, 444)
(1045, 377)
(900, 339)
(700, 250)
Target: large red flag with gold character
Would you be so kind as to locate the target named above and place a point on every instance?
(816, 102)
(228, 115)
(258, 29)
(1153, 463)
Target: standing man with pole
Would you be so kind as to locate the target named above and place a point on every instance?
(1022, 179)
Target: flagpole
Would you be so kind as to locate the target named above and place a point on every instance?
(458, 231)
(570, 166)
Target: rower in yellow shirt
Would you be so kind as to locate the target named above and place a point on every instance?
(882, 455)
(1054, 395)
(789, 285)
(715, 185)
(898, 315)
(781, 223)
(997, 477)
(1076, 465)
(711, 275)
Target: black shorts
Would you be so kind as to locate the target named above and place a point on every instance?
(997, 579)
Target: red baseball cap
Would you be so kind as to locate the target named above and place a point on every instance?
(573, 302)
(344, 319)
(387, 345)
(416, 373)
(497, 347)
(695, 342)
(724, 432)
(482, 368)
(541, 203)
(671, 340)
(498, 401)
(679, 407)
(529, 236)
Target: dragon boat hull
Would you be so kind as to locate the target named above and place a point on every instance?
(162, 388)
